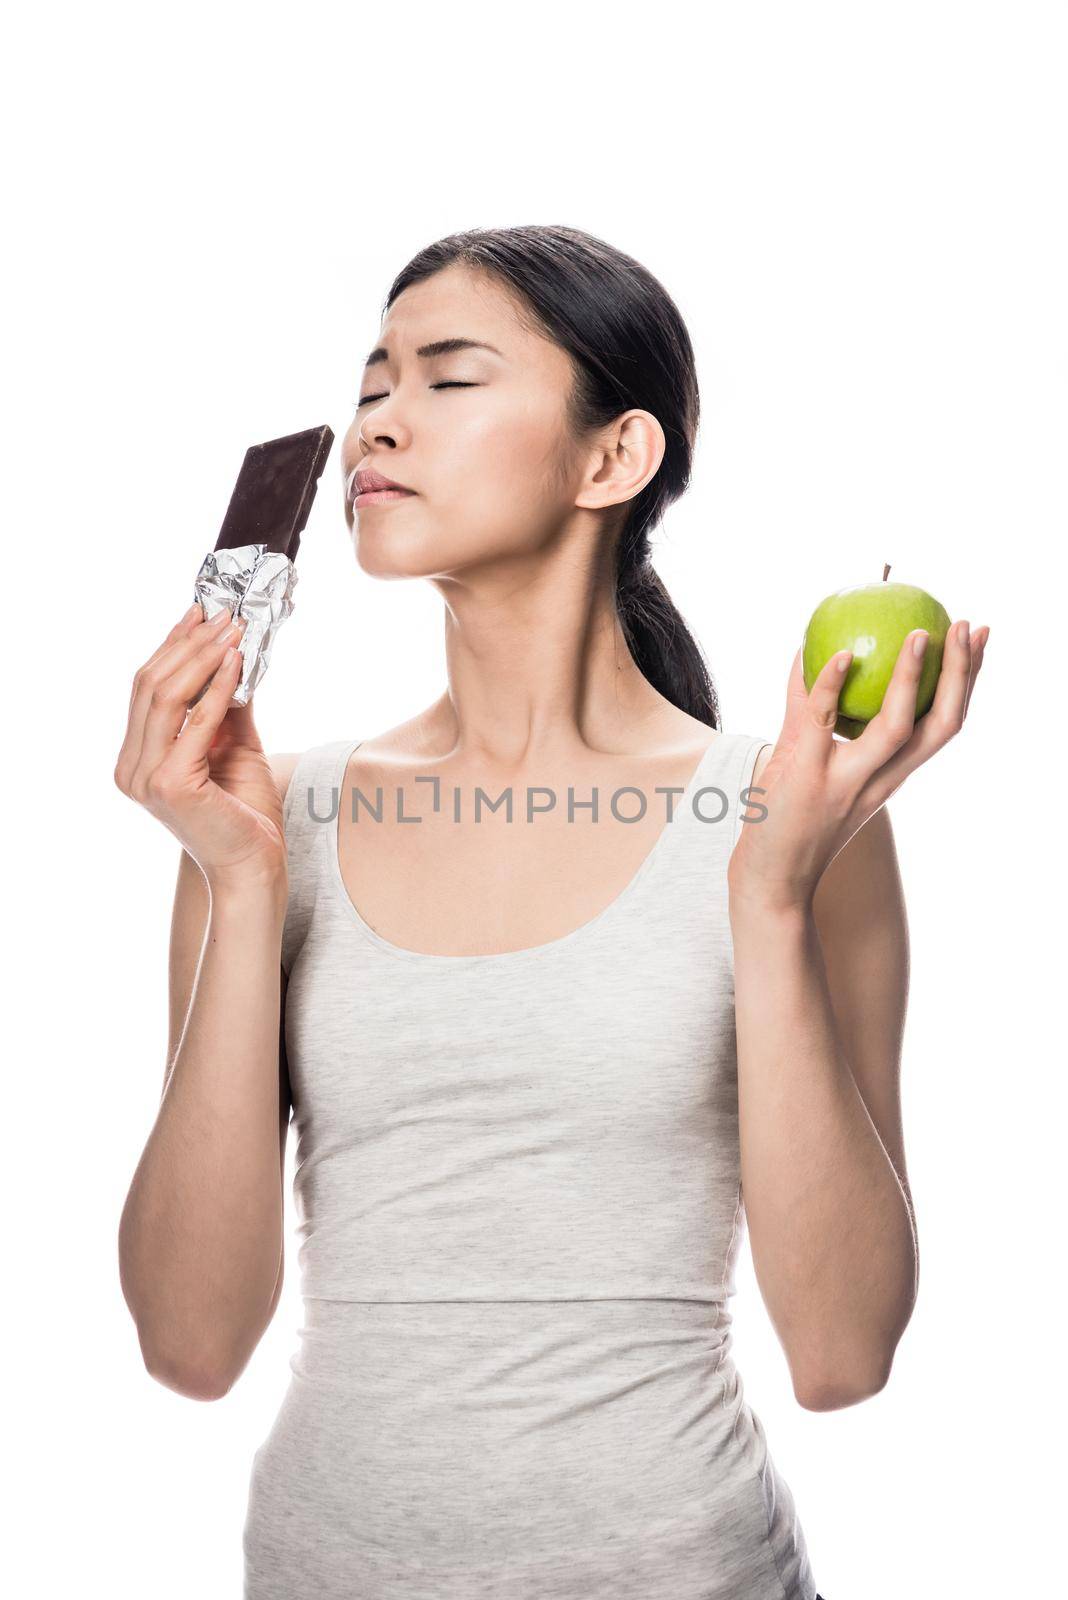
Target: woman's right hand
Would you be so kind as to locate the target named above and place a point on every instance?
(202, 770)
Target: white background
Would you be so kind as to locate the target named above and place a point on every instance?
(860, 211)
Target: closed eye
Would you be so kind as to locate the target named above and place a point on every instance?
(367, 398)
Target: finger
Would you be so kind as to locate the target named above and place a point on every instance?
(893, 723)
(172, 696)
(946, 716)
(184, 644)
(204, 719)
(130, 750)
(182, 628)
(815, 739)
(935, 728)
(796, 704)
(238, 730)
(979, 638)
(185, 624)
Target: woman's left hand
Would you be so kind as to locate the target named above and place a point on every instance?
(818, 790)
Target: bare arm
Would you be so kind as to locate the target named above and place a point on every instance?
(200, 1239)
(823, 1162)
(821, 985)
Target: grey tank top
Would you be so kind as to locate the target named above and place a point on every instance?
(519, 1212)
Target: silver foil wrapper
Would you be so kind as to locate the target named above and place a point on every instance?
(257, 584)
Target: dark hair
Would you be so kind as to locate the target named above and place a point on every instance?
(631, 350)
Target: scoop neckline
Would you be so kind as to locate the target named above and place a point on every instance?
(683, 810)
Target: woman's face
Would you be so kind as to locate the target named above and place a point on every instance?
(493, 471)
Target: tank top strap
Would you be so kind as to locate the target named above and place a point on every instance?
(708, 820)
(717, 794)
(309, 818)
(746, 806)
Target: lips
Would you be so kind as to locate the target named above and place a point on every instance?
(366, 481)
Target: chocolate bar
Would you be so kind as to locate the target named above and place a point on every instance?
(251, 571)
(273, 495)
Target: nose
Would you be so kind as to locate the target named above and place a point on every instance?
(378, 436)
(384, 425)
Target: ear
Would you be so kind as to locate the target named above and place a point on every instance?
(626, 457)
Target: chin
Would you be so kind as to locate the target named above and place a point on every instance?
(387, 558)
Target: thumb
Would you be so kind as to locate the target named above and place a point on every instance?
(238, 729)
(796, 702)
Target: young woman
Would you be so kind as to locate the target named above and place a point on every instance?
(535, 1054)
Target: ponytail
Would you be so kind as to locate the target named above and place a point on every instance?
(663, 648)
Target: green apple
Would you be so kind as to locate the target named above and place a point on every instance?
(873, 620)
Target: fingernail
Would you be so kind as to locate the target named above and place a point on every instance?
(219, 618)
(964, 633)
(919, 644)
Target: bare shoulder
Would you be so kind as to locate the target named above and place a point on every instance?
(395, 749)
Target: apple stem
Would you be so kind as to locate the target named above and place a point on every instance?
(886, 571)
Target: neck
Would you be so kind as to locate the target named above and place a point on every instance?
(538, 666)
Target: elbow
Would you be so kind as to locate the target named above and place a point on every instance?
(193, 1379)
(188, 1372)
(196, 1371)
(193, 1383)
(829, 1378)
(835, 1391)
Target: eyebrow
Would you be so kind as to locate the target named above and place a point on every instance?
(439, 347)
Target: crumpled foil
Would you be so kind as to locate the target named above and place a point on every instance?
(257, 584)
